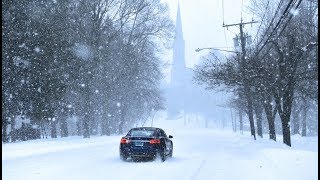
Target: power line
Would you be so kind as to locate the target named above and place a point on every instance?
(200, 49)
(224, 31)
(261, 22)
(225, 37)
(241, 9)
(291, 15)
(284, 14)
(274, 16)
(223, 10)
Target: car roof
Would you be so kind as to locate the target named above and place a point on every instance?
(145, 128)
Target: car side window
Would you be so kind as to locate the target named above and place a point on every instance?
(159, 133)
(163, 133)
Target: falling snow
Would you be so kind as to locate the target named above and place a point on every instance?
(37, 49)
(294, 12)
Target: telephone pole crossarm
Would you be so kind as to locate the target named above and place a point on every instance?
(242, 23)
(200, 49)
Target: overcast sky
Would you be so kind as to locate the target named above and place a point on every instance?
(202, 24)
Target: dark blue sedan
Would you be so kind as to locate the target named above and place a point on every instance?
(146, 142)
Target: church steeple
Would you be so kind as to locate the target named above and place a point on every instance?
(178, 24)
(177, 86)
(178, 65)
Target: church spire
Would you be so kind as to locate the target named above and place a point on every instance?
(178, 71)
(178, 65)
(178, 23)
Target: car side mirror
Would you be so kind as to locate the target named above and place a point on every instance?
(170, 136)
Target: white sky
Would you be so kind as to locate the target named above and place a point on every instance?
(202, 24)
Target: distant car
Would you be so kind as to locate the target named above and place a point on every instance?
(146, 142)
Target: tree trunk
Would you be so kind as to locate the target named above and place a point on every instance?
(103, 126)
(250, 110)
(105, 119)
(122, 118)
(285, 114)
(85, 125)
(235, 124)
(13, 128)
(4, 130)
(258, 112)
(232, 122)
(270, 118)
(283, 93)
(120, 128)
(43, 129)
(93, 122)
(53, 127)
(285, 120)
(108, 128)
(304, 118)
(87, 118)
(241, 121)
(64, 125)
(295, 119)
(286, 131)
(79, 128)
(93, 126)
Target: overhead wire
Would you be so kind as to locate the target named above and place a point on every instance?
(284, 27)
(224, 30)
(241, 9)
(284, 15)
(291, 15)
(253, 19)
(223, 11)
(265, 12)
(273, 18)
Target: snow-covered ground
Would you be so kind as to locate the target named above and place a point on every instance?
(199, 153)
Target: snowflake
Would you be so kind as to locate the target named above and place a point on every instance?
(294, 12)
(37, 49)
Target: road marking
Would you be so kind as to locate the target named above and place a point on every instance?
(195, 174)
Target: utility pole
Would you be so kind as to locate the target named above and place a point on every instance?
(246, 81)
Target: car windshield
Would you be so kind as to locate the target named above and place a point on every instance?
(141, 133)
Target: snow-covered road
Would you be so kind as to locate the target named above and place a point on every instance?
(199, 153)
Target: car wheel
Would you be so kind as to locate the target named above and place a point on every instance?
(123, 157)
(171, 151)
(163, 155)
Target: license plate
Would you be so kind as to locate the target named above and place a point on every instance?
(138, 143)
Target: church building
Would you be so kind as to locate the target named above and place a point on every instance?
(179, 74)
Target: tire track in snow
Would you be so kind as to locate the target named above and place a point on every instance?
(196, 173)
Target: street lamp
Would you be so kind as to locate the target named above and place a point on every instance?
(200, 49)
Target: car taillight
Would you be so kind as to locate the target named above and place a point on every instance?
(155, 141)
(124, 141)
